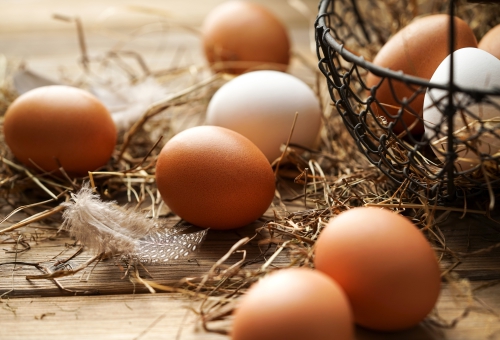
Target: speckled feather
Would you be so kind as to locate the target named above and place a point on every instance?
(106, 227)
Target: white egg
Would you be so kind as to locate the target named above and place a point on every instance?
(475, 123)
(261, 105)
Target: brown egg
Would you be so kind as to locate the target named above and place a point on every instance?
(214, 178)
(238, 36)
(57, 125)
(384, 264)
(416, 50)
(294, 304)
(490, 42)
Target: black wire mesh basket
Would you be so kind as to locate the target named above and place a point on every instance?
(456, 158)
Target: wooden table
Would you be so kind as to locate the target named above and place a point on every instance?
(105, 303)
(39, 309)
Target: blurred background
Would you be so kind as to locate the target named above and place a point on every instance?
(29, 15)
(165, 33)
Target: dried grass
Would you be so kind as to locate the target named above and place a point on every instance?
(313, 187)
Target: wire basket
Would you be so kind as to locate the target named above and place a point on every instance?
(348, 34)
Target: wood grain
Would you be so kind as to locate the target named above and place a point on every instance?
(165, 316)
(108, 305)
(39, 305)
(108, 277)
(172, 316)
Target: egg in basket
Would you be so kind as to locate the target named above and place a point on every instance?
(388, 69)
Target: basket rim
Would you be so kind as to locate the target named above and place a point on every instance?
(322, 28)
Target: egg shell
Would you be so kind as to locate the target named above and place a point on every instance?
(59, 124)
(294, 304)
(473, 68)
(384, 264)
(247, 35)
(490, 42)
(214, 178)
(261, 105)
(416, 50)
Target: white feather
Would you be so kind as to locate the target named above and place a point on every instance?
(109, 228)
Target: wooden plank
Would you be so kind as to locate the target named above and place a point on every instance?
(470, 234)
(112, 317)
(108, 277)
(475, 241)
(170, 316)
(481, 321)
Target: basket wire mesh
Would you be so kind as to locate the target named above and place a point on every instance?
(349, 30)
